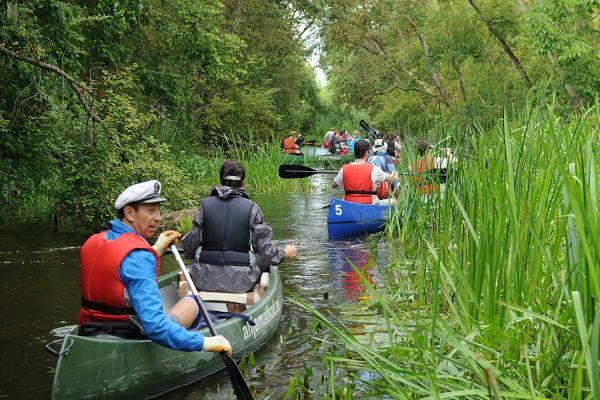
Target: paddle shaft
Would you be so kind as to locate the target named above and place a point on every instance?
(237, 379)
(190, 283)
(363, 124)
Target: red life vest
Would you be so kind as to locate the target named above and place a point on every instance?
(383, 190)
(290, 146)
(102, 291)
(358, 184)
(423, 166)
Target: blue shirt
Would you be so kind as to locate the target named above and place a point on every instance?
(351, 144)
(138, 273)
(383, 161)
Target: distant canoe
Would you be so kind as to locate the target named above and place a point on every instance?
(346, 219)
(111, 367)
(312, 158)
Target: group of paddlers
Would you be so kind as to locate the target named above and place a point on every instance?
(229, 244)
(373, 177)
(292, 142)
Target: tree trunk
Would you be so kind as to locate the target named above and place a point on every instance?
(459, 76)
(502, 42)
(430, 64)
(569, 89)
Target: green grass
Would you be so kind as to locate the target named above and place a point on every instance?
(505, 271)
(260, 158)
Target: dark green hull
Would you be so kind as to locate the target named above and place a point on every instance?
(291, 159)
(116, 368)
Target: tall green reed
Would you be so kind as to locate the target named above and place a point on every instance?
(261, 159)
(506, 269)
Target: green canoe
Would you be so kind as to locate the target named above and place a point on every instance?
(301, 159)
(110, 367)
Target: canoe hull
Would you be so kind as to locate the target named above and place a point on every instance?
(301, 159)
(113, 368)
(346, 219)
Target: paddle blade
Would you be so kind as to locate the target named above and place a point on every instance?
(295, 171)
(241, 389)
(363, 124)
(300, 171)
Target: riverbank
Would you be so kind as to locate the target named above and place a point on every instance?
(494, 290)
(188, 178)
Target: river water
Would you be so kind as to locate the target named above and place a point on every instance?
(39, 291)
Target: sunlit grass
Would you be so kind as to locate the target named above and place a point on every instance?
(505, 271)
(260, 158)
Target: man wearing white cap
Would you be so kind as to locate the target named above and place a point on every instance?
(119, 272)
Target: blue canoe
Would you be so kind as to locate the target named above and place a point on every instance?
(346, 219)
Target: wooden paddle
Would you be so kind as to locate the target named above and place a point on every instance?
(300, 171)
(242, 391)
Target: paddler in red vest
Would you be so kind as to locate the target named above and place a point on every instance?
(424, 171)
(360, 179)
(119, 272)
(289, 144)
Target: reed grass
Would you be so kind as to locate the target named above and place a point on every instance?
(505, 269)
(260, 158)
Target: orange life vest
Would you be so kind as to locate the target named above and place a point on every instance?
(102, 291)
(383, 190)
(358, 184)
(290, 146)
(422, 167)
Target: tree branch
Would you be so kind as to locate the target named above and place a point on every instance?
(77, 87)
(429, 62)
(502, 42)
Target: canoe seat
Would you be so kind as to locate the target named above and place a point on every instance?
(249, 298)
(170, 294)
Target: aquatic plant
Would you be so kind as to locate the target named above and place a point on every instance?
(503, 270)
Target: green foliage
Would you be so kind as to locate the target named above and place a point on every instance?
(167, 76)
(410, 63)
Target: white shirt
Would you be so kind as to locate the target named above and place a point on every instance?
(329, 135)
(377, 176)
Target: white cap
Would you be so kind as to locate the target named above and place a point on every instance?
(379, 145)
(145, 192)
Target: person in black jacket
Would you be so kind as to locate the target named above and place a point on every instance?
(229, 242)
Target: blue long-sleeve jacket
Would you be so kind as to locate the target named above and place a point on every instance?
(138, 273)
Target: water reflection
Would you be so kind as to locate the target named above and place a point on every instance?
(353, 259)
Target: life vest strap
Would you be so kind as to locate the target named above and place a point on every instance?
(106, 309)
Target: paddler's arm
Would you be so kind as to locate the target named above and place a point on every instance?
(262, 238)
(138, 274)
(338, 180)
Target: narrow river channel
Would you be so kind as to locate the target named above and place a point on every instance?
(39, 288)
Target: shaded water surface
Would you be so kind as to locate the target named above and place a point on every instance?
(39, 288)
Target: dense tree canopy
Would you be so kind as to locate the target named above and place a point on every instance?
(89, 86)
(411, 61)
